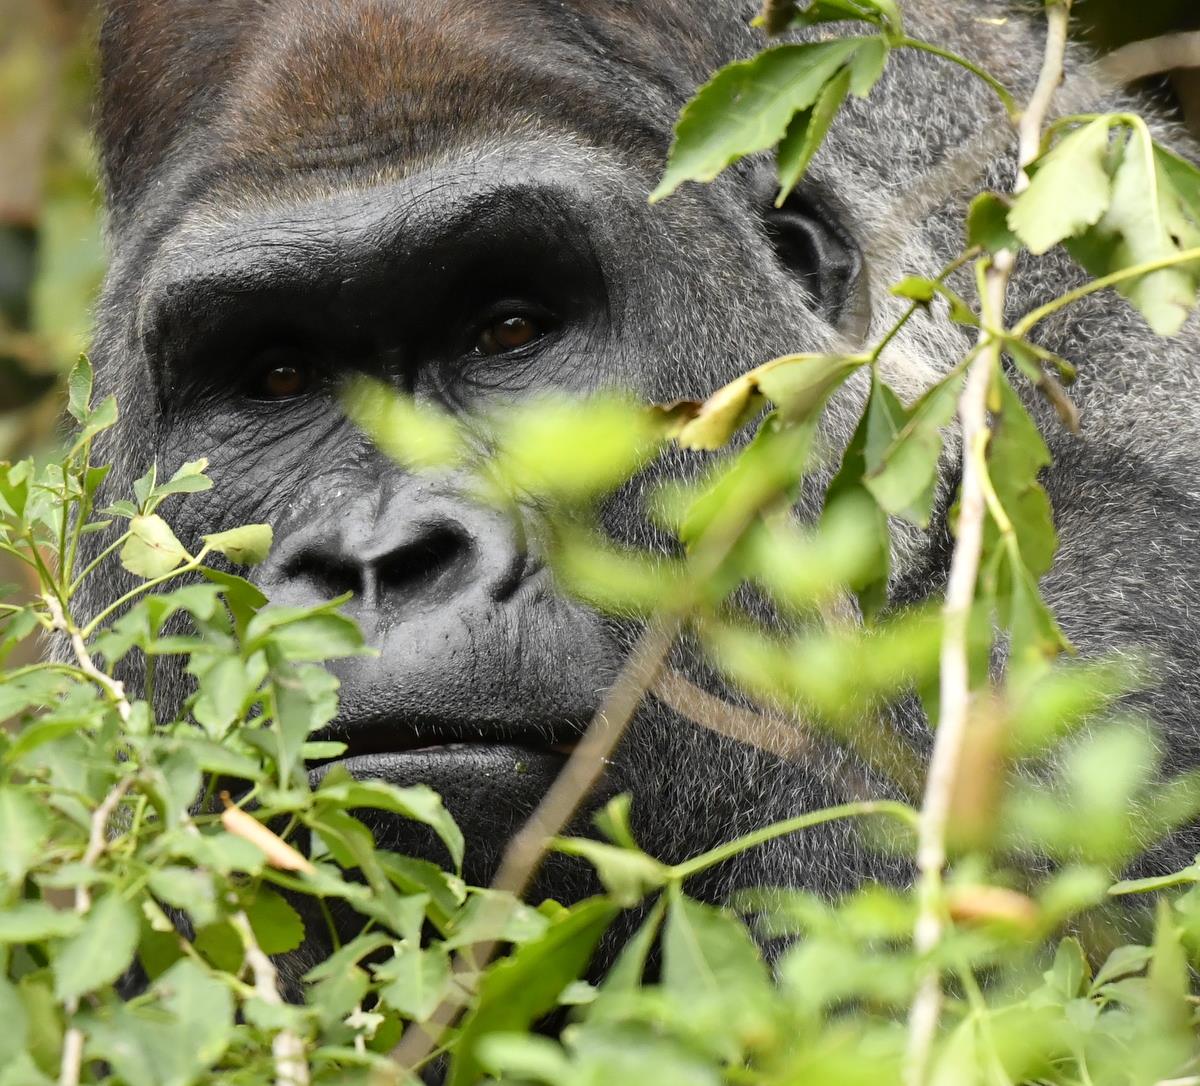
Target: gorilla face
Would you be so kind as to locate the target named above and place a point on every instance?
(453, 201)
(451, 196)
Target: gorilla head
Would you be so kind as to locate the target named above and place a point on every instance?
(451, 196)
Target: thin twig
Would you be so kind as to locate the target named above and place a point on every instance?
(1151, 56)
(287, 1047)
(954, 690)
(525, 850)
(71, 1063)
(113, 687)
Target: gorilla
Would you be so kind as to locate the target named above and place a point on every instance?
(452, 197)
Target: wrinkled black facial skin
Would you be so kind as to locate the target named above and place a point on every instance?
(343, 187)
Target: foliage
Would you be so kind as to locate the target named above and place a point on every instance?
(193, 848)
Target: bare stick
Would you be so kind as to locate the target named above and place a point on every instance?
(112, 687)
(291, 1067)
(955, 690)
(1140, 59)
(71, 1063)
(525, 850)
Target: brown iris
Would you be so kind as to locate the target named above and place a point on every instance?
(507, 334)
(283, 382)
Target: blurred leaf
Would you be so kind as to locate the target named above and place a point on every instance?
(417, 435)
(100, 951)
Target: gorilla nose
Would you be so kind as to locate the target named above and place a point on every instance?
(401, 562)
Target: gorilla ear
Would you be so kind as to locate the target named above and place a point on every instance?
(823, 256)
(163, 63)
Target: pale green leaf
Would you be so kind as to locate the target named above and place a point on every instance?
(244, 546)
(151, 549)
(1070, 189)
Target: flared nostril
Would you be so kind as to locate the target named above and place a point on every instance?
(433, 565)
(327, 573)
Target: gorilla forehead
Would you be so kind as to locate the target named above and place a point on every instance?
(325, 84)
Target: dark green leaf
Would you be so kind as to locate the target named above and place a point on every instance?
(747, 106)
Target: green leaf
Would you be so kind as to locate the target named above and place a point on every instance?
(806, 133)
(867, 65)
(418, 802)
(628, 875)
(712, 967)
(987, 224)
(244, 546)
(301, 636)
(151, 549)
(902, 477)
(101, 951)
(32, 921)
(276, 925)
(1147, 220)
(1070, 189)
(627, 971)
(1122, 962)
(416, 980)
(104, 417)
(1036, 639)
(1070, 973)
(189, 479)
(746, 107)
(79, 388)
(24, 827)
(143, 486)
(800, 384)
(1016, 455)
(186, 889)
(520, 989)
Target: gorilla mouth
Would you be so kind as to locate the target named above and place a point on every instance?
(373, 745)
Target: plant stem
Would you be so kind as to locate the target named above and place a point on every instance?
(955, 683)
(1002, 92)
(525, 851)
(1034, 317)
(730, 849)
(291, 1066)
(72, 1045)
(114, 688)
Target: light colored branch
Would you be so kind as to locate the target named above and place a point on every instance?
(71, 1063)
(1151, 56)
(955, 689)
(525, 850)
(291, 1067)
(112, 687)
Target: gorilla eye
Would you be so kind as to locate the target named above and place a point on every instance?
(284, 382)
(507, 334)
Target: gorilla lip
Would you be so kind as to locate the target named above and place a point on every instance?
(376, 742)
